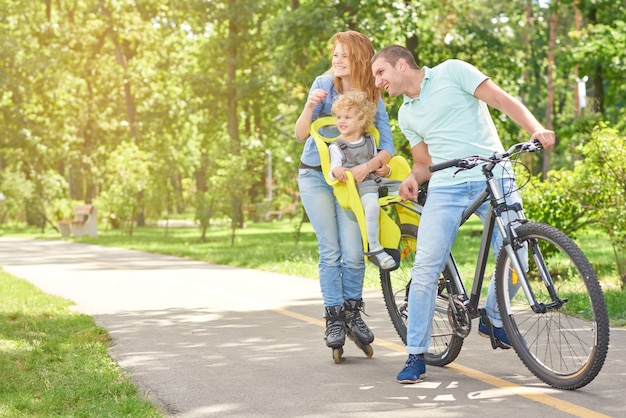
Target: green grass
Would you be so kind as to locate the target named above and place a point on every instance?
(54, 362)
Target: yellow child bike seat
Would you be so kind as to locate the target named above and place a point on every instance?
(347, 193)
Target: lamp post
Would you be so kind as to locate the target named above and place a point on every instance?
(582, 92)
(268, 175)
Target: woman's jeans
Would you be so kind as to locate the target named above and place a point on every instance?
(341, 259)
(437, 231)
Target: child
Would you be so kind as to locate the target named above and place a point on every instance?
(355, 113)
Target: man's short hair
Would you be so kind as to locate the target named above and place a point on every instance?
(393, 53)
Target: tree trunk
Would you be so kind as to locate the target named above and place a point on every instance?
(412, 42)
(231, 109)
(597, 81)
(577, 26)
(550, 86)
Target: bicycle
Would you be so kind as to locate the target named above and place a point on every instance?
(563, 269)
(557, 322)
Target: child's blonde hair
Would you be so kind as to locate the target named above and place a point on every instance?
(356, 100)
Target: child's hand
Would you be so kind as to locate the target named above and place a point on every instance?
(340, 173)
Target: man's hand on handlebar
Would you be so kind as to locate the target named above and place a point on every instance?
(546, 137)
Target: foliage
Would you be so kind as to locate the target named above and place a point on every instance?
(592, 193)
(601, 50)
(557, 201)
(604, 186)
(50, 198)
(17, 191)
(205, 90)
(126, 182)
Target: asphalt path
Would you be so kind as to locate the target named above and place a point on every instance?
(203, 340)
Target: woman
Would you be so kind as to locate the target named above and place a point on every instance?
(341, 264)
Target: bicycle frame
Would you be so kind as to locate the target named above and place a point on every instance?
(493, 192)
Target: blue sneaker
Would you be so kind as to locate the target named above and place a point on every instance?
(414, 369)
(501, 340)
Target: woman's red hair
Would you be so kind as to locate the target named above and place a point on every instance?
(360, 51)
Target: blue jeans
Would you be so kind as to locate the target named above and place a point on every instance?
(437, 231)
(341, 259)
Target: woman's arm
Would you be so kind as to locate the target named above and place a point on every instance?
(384, 129)
(303, 124)
(386, 146)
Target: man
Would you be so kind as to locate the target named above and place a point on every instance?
(445, 116)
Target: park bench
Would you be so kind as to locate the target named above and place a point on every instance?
(84, 222)
(290, 210)
(274, 214)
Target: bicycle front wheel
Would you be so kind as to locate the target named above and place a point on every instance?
(564, 338)
(445, 345)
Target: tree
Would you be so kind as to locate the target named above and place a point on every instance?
(127, 179)
(207, 89)
(601, 51)
(604, 188)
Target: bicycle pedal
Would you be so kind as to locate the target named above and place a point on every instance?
(495, 343)
(500, 344)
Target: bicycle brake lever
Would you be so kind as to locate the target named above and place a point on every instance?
(537, 145)
(464, 167)
(532, 146)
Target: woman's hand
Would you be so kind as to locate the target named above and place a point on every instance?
(383, 171)
(303, 124)
(316, 98)
(361, 171)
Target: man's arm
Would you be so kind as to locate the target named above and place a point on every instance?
(490, 93)
(421, 162)
(419, 173)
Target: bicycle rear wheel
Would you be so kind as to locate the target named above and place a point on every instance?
(445, 345)
(566, 342)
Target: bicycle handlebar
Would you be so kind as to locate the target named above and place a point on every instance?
(472, 161)
(446, 164)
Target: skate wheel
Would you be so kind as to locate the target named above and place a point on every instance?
(368, 350)
(337, 353)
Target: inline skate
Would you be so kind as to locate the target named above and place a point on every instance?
(356, 329)
(335, 335)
